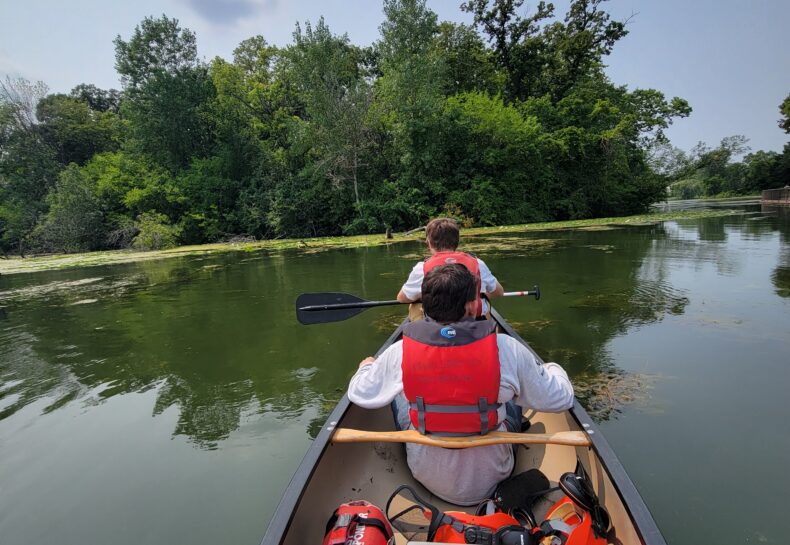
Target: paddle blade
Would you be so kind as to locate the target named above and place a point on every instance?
(308, 316)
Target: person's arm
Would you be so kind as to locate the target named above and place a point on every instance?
(540, 387)
(378, 381)
(499, 291)
(403, 298)
(411, 291)
(488, 282)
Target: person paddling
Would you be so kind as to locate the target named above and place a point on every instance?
(452, 374)
(442, 236)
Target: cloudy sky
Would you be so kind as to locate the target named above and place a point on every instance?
(730, 59)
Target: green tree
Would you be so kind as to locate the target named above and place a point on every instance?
(74, 131)
(469, 65)
(411, 100)
(784, 109)
(167, 91)
(326, 71)
(99, 100)
(75, 220)
(519, 47)
(27, 164)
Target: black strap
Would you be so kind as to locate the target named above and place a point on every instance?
(375, 523)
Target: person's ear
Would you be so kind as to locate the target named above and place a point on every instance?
(470, 308)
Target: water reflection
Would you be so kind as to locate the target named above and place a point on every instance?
(215, 337)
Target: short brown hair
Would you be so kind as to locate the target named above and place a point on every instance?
(442, 233)
(446, 290)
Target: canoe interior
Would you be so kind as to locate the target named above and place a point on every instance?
(372, 471)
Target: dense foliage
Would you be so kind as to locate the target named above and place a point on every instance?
(708, 172)
(510, 120)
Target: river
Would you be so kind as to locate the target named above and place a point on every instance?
(171, 401)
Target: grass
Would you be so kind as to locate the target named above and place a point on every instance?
(16, 265)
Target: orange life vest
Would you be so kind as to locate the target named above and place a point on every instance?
(570, 524)
(461, 524)
(451, 376)
(468, 261)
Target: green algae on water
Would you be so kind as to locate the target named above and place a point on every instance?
(16, 265)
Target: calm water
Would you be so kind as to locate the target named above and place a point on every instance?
(170, 402)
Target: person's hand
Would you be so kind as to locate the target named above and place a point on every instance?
(366, 361)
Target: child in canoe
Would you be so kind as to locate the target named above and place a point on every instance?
(442, 236)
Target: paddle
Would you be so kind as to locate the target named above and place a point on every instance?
(325, 307)
(571, 438)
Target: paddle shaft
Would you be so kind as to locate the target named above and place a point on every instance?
(370, 304)
(569, 438)
(340, 306)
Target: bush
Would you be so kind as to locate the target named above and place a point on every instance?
(76, 220)
(156, 233)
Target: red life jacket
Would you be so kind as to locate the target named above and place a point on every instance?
(358, 523)
(451, 376)
(468, 261)
(458, 525)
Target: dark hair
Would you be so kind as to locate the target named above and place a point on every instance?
(442, 233)
(446, 290)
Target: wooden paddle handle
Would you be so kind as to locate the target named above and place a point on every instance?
(570, 438)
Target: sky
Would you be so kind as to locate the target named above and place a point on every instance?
(730, 59)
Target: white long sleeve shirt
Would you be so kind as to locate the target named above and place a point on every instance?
(466, 476)
(412, 288)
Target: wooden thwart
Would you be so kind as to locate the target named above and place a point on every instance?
(570, 438)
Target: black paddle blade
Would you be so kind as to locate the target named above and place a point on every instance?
(309, 311)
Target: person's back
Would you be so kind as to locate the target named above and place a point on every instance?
(451, 362)
(442, 236)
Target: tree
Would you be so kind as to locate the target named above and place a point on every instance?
(519, 47)
(75, 221)
(469, 65)
(75, 131)
(410, 96)
(337, 99)
(167, 92)
(97, 99)
(158, 47)
(27, 164)
(784, 109)
(539, 57)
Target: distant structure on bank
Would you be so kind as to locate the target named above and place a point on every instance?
(777, 196)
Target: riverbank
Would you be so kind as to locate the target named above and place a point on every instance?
(16, 265)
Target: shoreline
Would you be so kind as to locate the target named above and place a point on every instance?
(18, 265)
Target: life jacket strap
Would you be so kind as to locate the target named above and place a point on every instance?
(483, 407)
(549, 527)
(420, 414)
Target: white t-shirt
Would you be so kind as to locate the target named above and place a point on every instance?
(413, 286)
(466, 476)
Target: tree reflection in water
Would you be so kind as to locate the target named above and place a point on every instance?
(216, 337)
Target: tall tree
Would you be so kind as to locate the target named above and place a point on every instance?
(410, 99)
(326, 70)
(167, 90)
(27, 164)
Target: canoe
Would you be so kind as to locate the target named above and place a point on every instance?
(332, 473)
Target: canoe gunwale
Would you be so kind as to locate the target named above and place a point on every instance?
(643, 522)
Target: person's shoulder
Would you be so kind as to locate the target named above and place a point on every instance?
(512, 346)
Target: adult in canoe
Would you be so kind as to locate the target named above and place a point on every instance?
(442, 236)
(454, 375)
